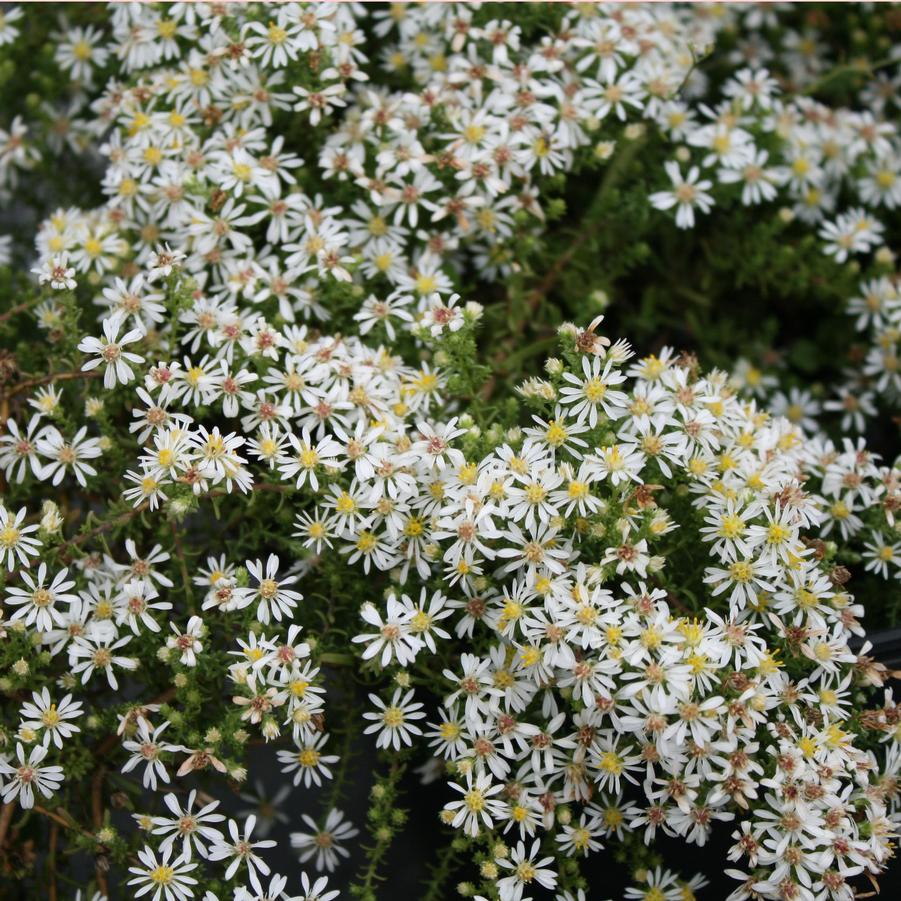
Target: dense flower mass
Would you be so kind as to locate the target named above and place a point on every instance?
(272, 503)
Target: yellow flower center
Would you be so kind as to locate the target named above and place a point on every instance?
(426, 284)
(242, 171)
(345, 503)
(277, 35)
(740, 571)
(525, 872)
(595, 390)
(378, 227)
(81, 50)
(9, 536)
(610, 762)
(731, 526)
(449, 731)
(162, 875)
(308, 458)
(473, 133)
(474, 800)
(555, 434)
(413, 528)
(308, 757)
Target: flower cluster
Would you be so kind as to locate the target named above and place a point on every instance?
(267, 507)
(835, 170)
(600, 673)
(195, 159)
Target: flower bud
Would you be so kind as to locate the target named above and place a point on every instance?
(553, 366)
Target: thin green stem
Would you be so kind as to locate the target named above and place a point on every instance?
(383, 828)
(859, 68)
(441, 871)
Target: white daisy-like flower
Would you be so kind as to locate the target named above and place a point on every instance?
(238, 849)
(324, 846)
(18, 449)
(110, 353)
(478, 807)
(165, 877)
(146, 748)
(37, 604)
(392, 721)
(316, 890)
(393, 638)
(27, 775)
(68, 455)
(16, 543)
(187, 642)
(57, 273)
(40, 713)
(526, 868)
(95, 650)
(308, 764)
(189, 826)
(688, 193)
(274, 600)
